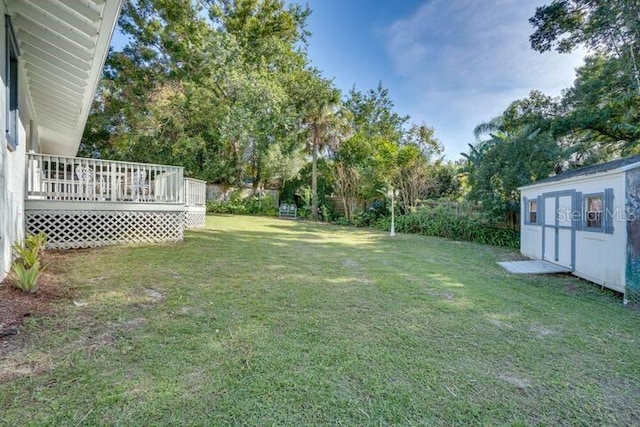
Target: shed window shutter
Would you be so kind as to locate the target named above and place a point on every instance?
(577, 216)
(539, 215)
(608, 211)
(525, 210)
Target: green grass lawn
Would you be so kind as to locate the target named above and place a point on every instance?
(260, 321)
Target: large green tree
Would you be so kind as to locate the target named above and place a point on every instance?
(417, 159)
(602, 109)
(377, 133)
(513, 150)
(213, 86)
(383, 151)
(610, 27)
(601, 112)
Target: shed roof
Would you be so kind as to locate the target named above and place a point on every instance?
(590, 170)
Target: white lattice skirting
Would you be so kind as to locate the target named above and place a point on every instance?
(68, 229)
(195, 217)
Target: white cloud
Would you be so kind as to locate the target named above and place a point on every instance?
(463, 62)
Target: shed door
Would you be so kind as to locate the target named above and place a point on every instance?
(558, 242)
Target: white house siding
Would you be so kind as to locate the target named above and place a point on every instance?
(12, 166)
(599, 257)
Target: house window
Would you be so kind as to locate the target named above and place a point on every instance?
(11, 79)
(533, 211)
(593, 212)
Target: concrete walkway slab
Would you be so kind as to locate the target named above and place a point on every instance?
(533, 267)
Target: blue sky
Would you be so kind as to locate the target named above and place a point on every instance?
(448, 63)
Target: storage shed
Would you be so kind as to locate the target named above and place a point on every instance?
(588, 220)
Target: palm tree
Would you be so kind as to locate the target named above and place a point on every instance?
(490, 128)
(328, 126)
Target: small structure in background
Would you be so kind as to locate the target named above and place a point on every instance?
(288, 211)
(588, 220)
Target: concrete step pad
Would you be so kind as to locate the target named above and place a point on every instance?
(533, 267)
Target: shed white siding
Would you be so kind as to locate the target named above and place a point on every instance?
(599, 257)
(531, 239)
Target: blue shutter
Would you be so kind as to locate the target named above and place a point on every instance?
(540, 211)
(525, 210)
(577, 215)
(608, 211)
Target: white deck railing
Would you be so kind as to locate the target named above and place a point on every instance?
(195, 192)
(75, 178)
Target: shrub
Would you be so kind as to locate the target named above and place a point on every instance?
(326, 213)
(443, 222)
(27, 267)
(253, 205)
(374, 212)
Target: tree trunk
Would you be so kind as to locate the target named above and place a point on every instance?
(237, 167)
(256, 176)
(314, 180)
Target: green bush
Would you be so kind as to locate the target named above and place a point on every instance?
(377, 210)
(27, 267)
(442, 222)
(253, 205)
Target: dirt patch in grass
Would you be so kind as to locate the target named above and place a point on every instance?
(16, 367)
(109, 335)
(99, 341)
(355, 266)
(540, 331)
(571, 289)
(16, 306)
(155, 294)
(521, 384)
(133, 324)
(500, 324)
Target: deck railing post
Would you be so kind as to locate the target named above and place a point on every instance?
(112, 180)
(180, 188)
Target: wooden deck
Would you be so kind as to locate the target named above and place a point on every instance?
(533, 267)
(80, 202)
(83, 179)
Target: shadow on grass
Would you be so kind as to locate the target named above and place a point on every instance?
(290, 236)
(432, 258)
